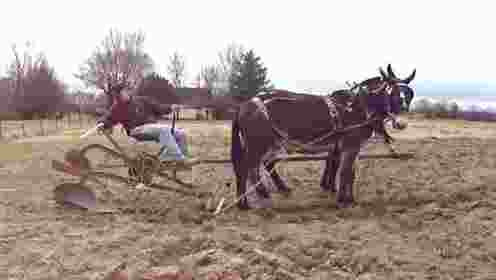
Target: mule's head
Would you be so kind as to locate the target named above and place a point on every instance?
(380, 98)
(399, 88)
(374, 97)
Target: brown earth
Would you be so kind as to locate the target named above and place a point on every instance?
(432, 217)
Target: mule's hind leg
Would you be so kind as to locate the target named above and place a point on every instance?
(255, 194)
(327, 182)
(241, 182)
(280, 184)
(345, 177)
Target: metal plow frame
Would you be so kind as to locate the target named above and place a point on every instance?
(91, 174)
(95, 174)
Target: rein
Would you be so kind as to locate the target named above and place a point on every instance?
(173, 126)
(328, 135)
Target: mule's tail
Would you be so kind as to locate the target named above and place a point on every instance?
(237, 149)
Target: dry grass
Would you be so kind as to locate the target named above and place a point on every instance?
(17, 151)
(29, 128)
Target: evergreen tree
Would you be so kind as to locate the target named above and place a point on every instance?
(249, 77)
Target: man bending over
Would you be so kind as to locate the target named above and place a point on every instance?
(138, 115)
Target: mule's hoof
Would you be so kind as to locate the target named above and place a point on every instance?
(286, 192)
(328, 189)
(262, 203)
(400, 125)
(344, 204)
(243, 204)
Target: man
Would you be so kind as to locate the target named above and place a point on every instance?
(138, 115)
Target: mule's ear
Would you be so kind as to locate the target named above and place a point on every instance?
(383, 74)
(411, 77)
(390, 72)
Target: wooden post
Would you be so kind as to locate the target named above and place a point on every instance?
(41, 126)
(80, 119)
(1, 129)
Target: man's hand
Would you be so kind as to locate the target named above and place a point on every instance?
(175, 107)
(102, 129)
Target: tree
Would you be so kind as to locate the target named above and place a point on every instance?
(158, 87)
(211, 77)
(120, 62)
(176, 69)
(5, 94)
(250, 77)
(229, 61)
(35, 86)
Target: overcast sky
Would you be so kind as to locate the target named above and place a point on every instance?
(304, 43)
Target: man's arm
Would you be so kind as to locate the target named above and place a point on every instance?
(156, 107)
(106, 119)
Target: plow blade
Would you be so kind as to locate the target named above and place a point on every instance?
(75, 194)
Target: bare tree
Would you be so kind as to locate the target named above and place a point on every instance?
(177, 69)
(229, 62)
(35, 86)
(211, 76)
(5, 95)
(158, 87)
(120, 62)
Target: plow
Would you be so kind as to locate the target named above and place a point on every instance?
(144, 170)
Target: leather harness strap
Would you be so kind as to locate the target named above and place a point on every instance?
(261, 106)
(333, 111)
(331, 105)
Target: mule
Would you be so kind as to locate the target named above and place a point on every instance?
(339, 124)
(400, 92)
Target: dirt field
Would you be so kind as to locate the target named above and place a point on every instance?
(432, 217)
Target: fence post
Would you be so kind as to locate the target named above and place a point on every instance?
(41, 126)
(1, 129)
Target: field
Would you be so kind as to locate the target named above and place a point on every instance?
(432, 217)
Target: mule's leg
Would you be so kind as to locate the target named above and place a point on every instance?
(241, 182)
(280, 184)
(344, 176)
(330, 169)
(249, 177)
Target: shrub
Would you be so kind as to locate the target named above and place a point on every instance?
(451, 110)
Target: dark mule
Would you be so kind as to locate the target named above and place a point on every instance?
(339, 124)
(400, 93)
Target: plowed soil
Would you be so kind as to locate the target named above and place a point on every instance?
(431, 217)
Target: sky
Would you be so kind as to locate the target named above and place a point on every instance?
(304, 44)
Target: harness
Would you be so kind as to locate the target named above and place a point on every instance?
(173, 126)
(312, 146)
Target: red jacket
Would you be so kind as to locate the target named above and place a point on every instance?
(139, 110)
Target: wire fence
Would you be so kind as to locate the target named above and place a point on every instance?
(15, 129)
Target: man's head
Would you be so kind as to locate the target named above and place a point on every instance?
(120, 96)
(119, 92)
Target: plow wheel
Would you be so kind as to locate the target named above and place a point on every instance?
(145, 166)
